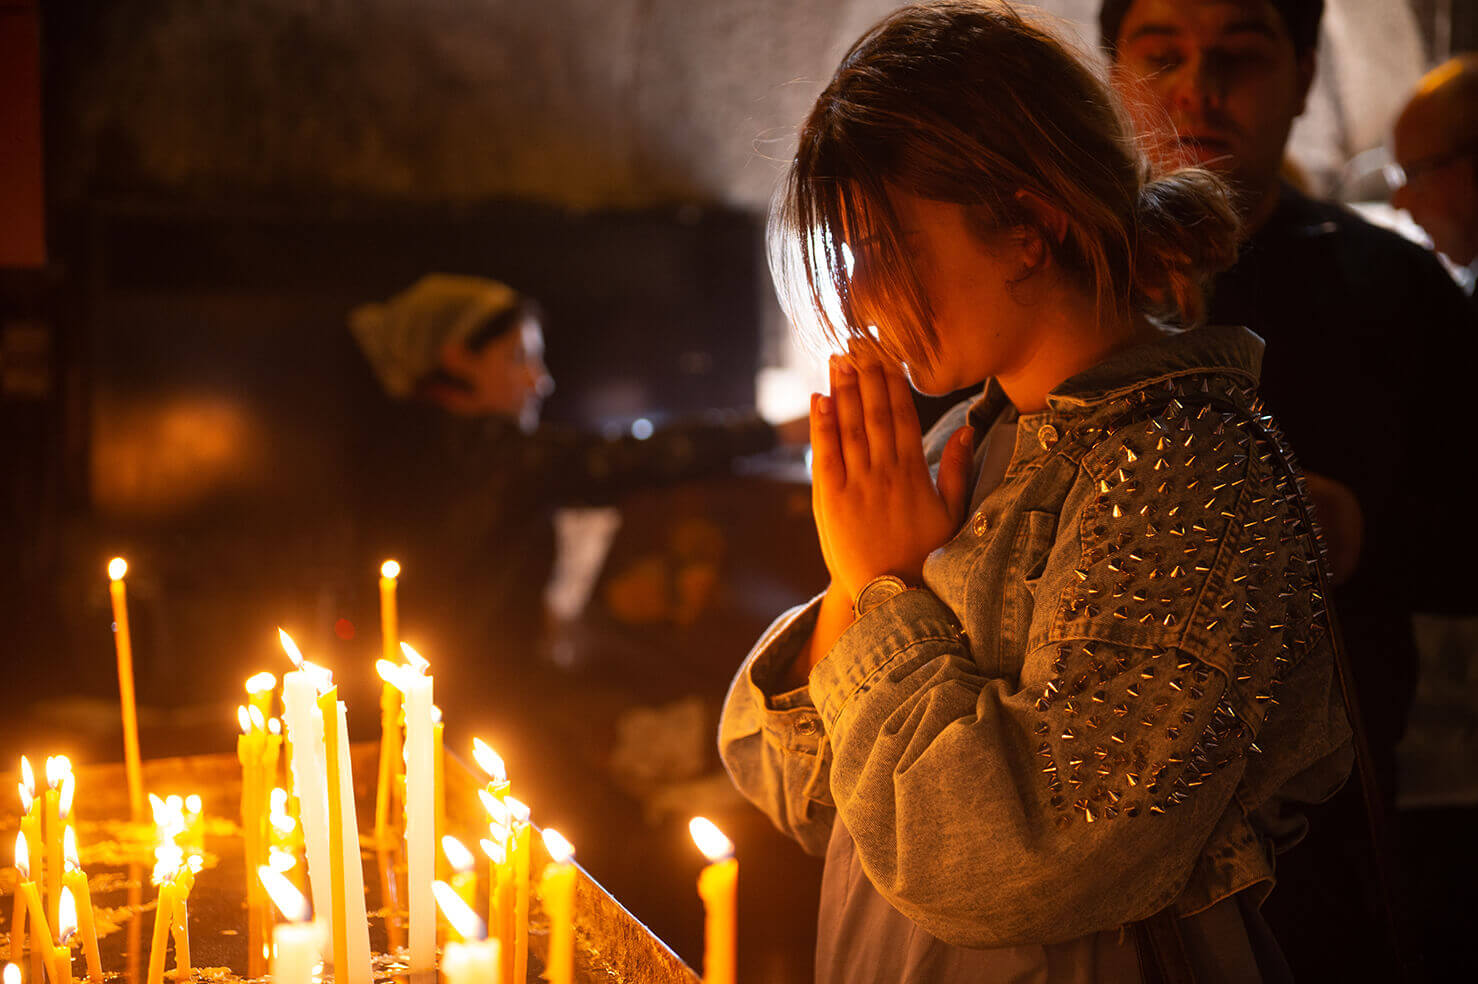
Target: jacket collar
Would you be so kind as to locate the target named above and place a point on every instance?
(1214, 349)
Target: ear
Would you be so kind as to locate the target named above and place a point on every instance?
(1305, 67)
(1046, 219)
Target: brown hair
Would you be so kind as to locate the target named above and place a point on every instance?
(963, 101)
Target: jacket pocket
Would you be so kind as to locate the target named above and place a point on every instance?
(1034, 544)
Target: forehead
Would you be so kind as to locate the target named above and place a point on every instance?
(1202, 21)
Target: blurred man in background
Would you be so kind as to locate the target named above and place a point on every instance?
(1436, 149)
(1358, 323)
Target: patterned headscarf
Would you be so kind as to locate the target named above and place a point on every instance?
(403, 337)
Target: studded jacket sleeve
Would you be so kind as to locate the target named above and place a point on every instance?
(1176, 627)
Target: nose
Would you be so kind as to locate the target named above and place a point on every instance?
(539, 380)
(1201, 84)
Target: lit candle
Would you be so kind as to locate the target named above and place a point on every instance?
(58, 781)
(305, 730)
(295, 942)
(12, 974)
(438, 746)
(420, 810)
(250, 748)
(259, 692)
(520, 857)
(473, 959)
(500, 873)
(390, 754)
(75, 881)
(716, 885)
(194, 835)
(123, 644)
(557, 893)
(165, 870)
(351, 947)
(464, 879)
(66, 927)
(28, 904)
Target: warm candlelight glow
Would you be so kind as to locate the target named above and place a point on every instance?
(274, 726)
(194, 804)
(284, 894)
(468, 924)
(560, 850)
(710, 840)
(28, 783)
(389, 672)
(67, 918)
(390, 569)
(69, 849)
(243, 718)
(495, 851)
(117, 567)
(64, 802)
(12, 974)
(58, 767)
(497, 810)
(280, 860)
(261, 683)
(167, 862)
(258, 719)
(291, 648)
(489, 761)
(22, 856)
(518, 809)
(417, 661)
(457, 854)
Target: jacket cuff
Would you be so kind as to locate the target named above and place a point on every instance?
(788, 716)
(872, 642)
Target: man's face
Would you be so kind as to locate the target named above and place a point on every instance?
(1441, 186)
(1225, 74)
(506, 377)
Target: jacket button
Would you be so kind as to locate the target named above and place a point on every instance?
(1047, 437)
(806, 724)
(979, 524)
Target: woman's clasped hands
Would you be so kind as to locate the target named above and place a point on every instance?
(877, 509)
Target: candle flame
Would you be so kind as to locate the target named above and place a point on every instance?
(261, 683)
(117, 567)
(176, 804)
(493, 850)
(243, 719)
(196, 863)
(258, 719)
(69, 848)
(280, 860)
(435, 714)
(291, 648)
(560, 850)
(66, 915)
(390, 569)
(284, 895)
(497, 811)
(193, 804)
(391, 673)
(710, 840)
(489, 761)
(274, 726)
(517, 809)
(28, 782)
(417, 661)
(168, 859)
(58, 767)
(22, 856)
(12, 974)
(284, 823)
(278, 799)
(64, 801)
(169, 816)
(467, 923)
(457, 854)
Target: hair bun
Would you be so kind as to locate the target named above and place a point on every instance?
(1187, 231)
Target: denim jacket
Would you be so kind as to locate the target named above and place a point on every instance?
(1113, 685)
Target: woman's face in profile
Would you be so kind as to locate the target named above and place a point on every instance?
(506, 377)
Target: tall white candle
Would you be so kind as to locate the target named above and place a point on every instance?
(305, 733)
(420, 812)
(295, 943)
(355, 968)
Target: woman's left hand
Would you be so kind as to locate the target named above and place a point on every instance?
(877, 509)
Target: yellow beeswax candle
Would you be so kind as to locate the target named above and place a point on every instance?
(75, 881)
(391, 757)
(328, 704)
(58, 773)
(438, 745)
(40, 940)
(464, 878)
(66, 929)
(123, 645)
(180, 923)
(716, 886)
(163, 916)
(520, 857)
(557, 894)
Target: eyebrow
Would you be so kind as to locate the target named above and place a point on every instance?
(1246, 26)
